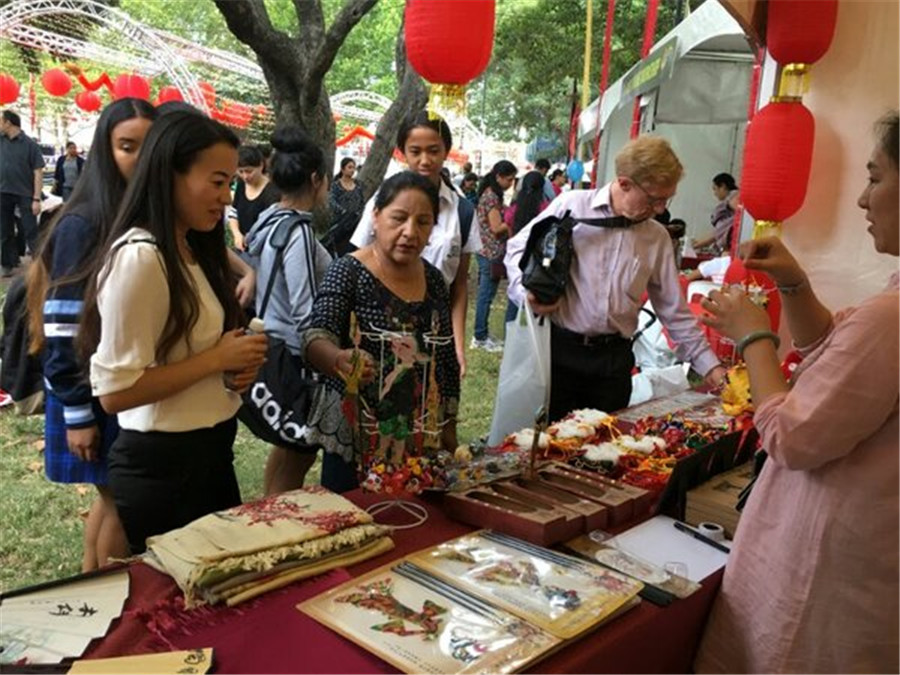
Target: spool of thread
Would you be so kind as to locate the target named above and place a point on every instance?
(712, 530)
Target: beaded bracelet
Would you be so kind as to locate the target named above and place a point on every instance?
(792, 289)
(755, 336)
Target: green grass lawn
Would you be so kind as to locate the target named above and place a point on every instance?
(42, 521)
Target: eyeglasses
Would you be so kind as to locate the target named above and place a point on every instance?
(651, 200)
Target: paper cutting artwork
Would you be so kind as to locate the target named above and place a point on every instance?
(558, 593)
(420, 624)
(379, 596)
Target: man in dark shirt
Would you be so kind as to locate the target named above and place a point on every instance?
(68, 169)
(21, 179)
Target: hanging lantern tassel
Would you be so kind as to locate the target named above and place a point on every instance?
(777, 163)
(447, 100)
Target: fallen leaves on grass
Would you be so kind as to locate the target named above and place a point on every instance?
(36, 466)
(38, 445)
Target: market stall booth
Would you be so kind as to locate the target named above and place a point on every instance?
(694, 89)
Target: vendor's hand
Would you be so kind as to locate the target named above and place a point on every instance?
(771, 256)
(246, 289)
(542, 309)
(83, 443)
(343, 365)
(733, 313)
(716, 377)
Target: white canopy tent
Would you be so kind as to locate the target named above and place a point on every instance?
(700, 107)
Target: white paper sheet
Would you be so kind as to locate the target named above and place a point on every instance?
(658, 542)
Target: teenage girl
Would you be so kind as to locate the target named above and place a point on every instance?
(162, 323)
(77, 432)
(298, 173)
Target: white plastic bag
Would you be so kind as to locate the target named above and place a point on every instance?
(653, 383)
(524, 383)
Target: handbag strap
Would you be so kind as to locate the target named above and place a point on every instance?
(611, 222)
(278, 240)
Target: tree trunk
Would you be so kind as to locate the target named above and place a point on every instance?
(295, 68)
(411, 98)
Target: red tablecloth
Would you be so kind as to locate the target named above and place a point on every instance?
(269, 635)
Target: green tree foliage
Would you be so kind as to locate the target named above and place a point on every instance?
(539, 53)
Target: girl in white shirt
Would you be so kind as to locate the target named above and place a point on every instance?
(161, 321)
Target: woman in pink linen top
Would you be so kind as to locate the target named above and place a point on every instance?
(811, 583)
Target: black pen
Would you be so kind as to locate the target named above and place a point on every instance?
(700, 537)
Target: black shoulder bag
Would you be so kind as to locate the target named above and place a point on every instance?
(276, 406)
(549, 252)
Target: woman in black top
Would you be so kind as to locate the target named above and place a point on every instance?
(253, 194)
(389, 288)
(346, 202)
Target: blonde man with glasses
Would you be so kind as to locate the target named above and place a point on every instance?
(592, 324)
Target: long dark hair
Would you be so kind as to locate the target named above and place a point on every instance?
(502, 168)
(528, 201)
(171, 148)
(96, 198)
(344, 162)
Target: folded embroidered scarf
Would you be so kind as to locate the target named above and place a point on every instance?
(233, 555)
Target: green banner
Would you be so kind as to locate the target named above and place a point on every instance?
(650, 72)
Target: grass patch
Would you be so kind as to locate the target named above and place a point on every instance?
(43, 521)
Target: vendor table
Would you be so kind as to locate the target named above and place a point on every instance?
(269, 635)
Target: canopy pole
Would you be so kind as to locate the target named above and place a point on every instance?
(604, 79)
(752, 105)
(649, 33)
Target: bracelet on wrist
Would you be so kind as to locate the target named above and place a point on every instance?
(791, 289)
(756, 336)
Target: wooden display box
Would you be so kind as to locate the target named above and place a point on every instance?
(534, 520)
(644, 500)
(714, 501)
(538, 491)
(619, 503)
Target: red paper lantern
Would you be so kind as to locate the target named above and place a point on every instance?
(448, 41)
(241, 114)
(777, 161)
(800, 31)
(131, 86)
(9, 89)
(167, 94)
(56, 82)
(88, 101)
(261, 110)
(209, 94)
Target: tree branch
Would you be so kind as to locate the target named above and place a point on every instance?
(411, 98)
(249, 22)
(351, 13)
(311, 22)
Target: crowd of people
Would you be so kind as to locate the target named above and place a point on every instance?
(139, 309)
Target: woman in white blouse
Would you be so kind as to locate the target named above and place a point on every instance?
(162, 323)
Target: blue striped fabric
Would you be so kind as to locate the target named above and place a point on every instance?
(64, 376)
(60, 465)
